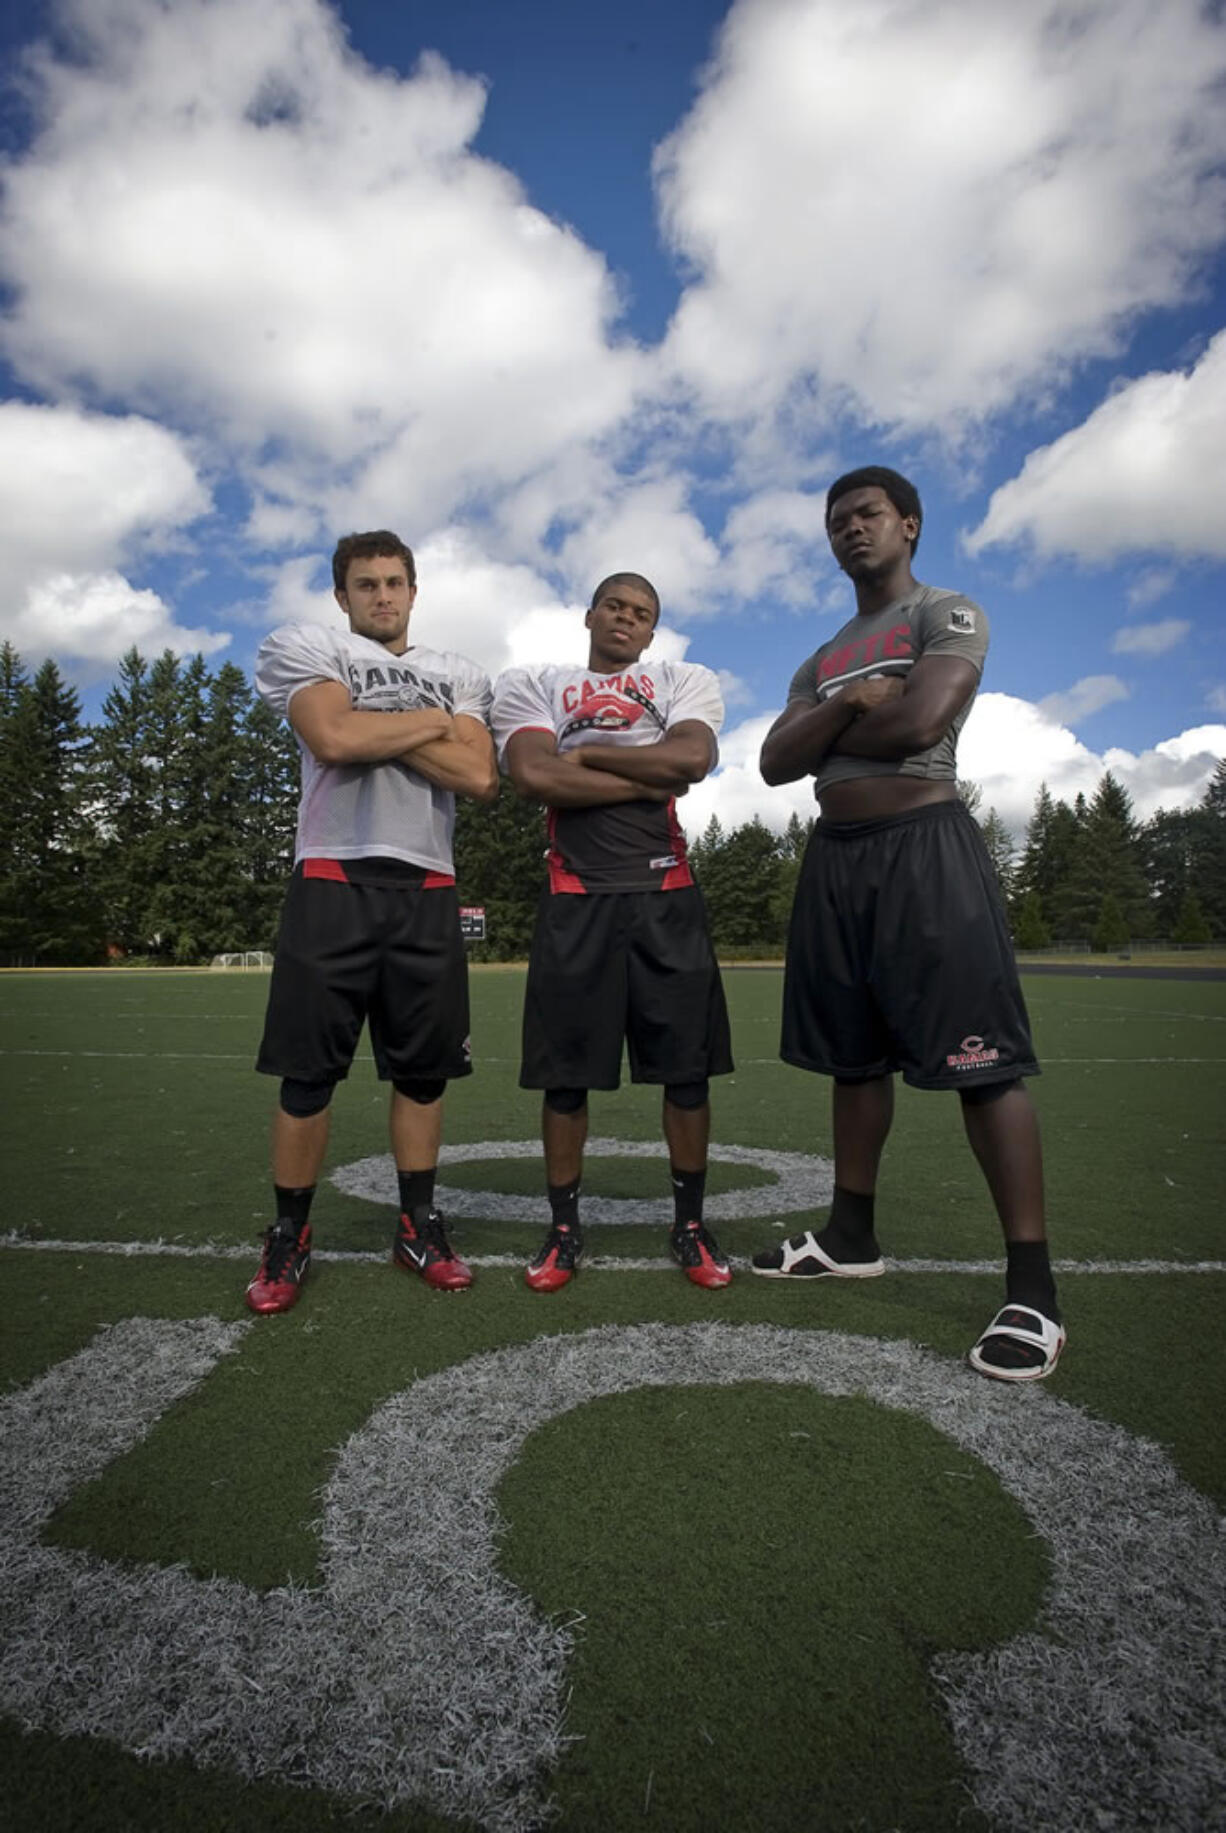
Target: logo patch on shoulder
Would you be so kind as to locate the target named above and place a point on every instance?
(962, 618)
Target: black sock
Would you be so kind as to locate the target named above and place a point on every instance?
(1028, 1278)
(293, 1204)
(689, 1188)
(564, 1204)
(416, 1189)
(849, 1233)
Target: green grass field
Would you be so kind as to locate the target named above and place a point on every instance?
(633, 1554)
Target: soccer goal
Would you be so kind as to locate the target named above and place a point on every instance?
(247, 957)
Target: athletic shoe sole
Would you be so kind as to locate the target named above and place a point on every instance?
(440, 1276)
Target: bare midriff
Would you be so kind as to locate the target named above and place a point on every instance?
(874, 798)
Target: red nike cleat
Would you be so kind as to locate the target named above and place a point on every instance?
(283, 1267)
(423, 1248)
(696, 1253)
(558, 1261)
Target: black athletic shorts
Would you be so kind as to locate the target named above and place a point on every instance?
(391, 954)
(899, 956)
(614, 966)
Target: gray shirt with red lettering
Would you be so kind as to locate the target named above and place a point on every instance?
(928, 621)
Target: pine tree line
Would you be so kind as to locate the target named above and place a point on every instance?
(165, 832)
(1092, 874)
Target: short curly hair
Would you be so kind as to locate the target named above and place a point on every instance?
(379, 541)
(900, 490)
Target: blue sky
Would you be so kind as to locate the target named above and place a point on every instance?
(552, 292)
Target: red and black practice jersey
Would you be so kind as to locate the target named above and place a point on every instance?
(624, 846)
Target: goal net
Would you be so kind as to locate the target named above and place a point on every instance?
(247, 957)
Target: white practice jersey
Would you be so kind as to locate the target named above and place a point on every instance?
(370, 811)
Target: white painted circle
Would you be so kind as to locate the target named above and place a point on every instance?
(804, 1183)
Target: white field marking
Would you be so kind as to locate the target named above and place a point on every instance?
(592, 1263)
(1140, 1014)
(244, 1056)
(181, 1056)
(777, 1063)
(169, 1056)
(1107, 1713)
(803, 1183)
(1178, 1062)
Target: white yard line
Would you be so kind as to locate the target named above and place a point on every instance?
(772, 1062)
(594, 1263)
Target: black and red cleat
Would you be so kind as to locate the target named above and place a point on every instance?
(697, 1255)
(558, 1261)
(283, 1267)
(422, 1247)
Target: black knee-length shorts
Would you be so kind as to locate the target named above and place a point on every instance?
(391, 955)
(625, 967)
(899, 956)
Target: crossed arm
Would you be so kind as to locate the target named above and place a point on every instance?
(879, 717)
(591, 775)
(455, 753)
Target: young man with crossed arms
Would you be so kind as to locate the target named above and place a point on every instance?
(899, 955)
(390, 733)
(621, 949)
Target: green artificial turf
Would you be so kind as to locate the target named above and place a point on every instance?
(692, 1534)
(82, 1785)
(748, 1560)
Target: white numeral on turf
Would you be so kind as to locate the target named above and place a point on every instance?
(417, 1646)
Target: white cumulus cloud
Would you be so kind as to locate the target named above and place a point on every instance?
(78, 489)
(1087, 696)
(1009, 747)
(228, 219)
(924, 208)
(80, 494)
(1130, 479)
(97, 617)
(1150, 639)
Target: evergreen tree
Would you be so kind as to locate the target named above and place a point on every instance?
(999, 842)
(795, 837)
(204, 910)
(14, 685)
(271, 770)
(48, 910)
(126, 847)
(791, 851)
(1110, 928)
(500, 864)
(706, 847)
(740, 883)
(1191, 927)
(1048, 854)
(1107, 862)
(1209, 852)
(1031, 931)
(970, 794)
(1168, 854)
